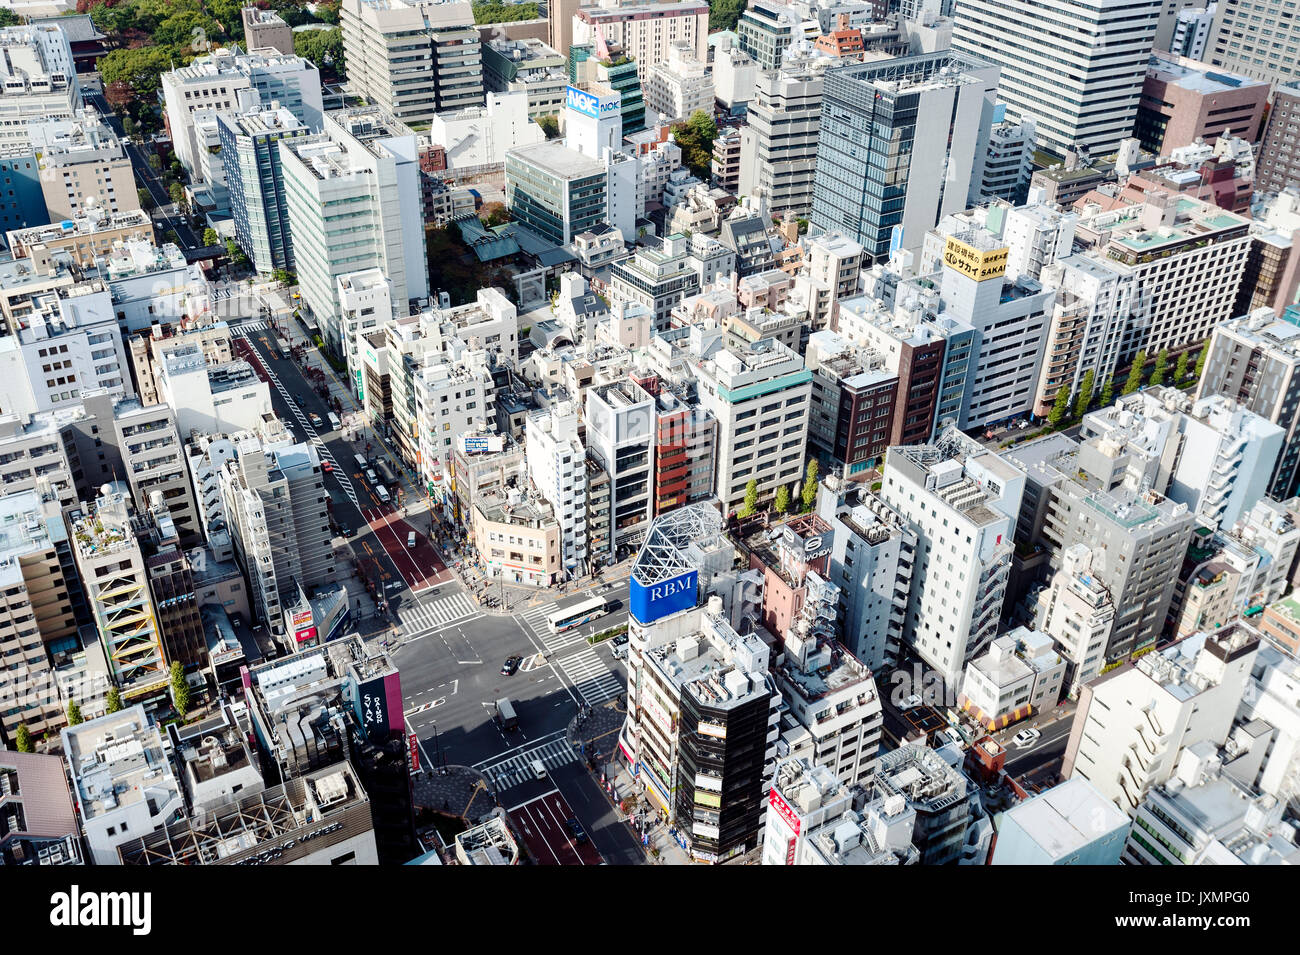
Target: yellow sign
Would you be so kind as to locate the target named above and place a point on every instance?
(972, 262)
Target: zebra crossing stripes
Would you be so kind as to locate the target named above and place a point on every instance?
(591, 676)
(438, 613)
(538, 619)
(344, 481)
(252, 325)
(514, 770)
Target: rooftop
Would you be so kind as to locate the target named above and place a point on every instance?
(116, 761)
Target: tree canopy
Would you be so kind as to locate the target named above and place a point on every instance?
(322, 47)
(505, 12)
(695, 138)
(725, 14)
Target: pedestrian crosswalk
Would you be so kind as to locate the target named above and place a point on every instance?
(416, 617)
(538, 620)
(325, 455)
(589, 672)
(252, 325)
(516, 769)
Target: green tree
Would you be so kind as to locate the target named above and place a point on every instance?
(809, 493)
(695, 138)
(1085, 394)
(155, 162)
(1134, 381)
(1108, 393)
(146, 200)
(550, 126)
(210, 237)
(284, 277)
(180, 689)
(751, 500)
(725, 14)
(1162, 365)
(782, 503)
(322, 47)
(129, 127)
(505, 12)
(237, 256)
(24, 735)
(74, 713)
(1200, 360)
(177, 193)
(113, 703)
(141, 67)
(1180, 369)
(1060, 407)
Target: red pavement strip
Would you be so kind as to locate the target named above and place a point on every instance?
(420, 566)
(541, 822)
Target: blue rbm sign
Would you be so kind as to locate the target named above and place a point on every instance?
(654, 602)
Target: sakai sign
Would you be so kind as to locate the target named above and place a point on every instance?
(654, 601)
(971, 262)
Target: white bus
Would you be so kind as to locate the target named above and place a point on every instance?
(566, 618)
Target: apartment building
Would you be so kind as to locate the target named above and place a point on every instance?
(122, 780)
(518, 538)
(413, 59)
(1239, 43)
(1076, 611)
(1134, 723)
(645, 30)
(37, 619)
(657, 278)
(274, 500)
(1077, 493)
(557, 466)
(214, 81)
(962, 501)
(760, 396)
(38, 80)
(530, 67)
(778, 145)
(680, 86)
(1278, 163)
(1254, 360)
(82, 165)
(113, 570)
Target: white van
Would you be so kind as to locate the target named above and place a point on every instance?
(335, 424)
(361, 461)
(381, 492)
(539, 769)
(410, 539)
(370, 476)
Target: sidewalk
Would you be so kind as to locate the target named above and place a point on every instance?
(462, 792)
(598, 733)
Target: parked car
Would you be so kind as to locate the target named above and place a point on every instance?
(620, 639)
(511, 665)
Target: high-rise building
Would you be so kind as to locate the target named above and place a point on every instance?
(962, 501)
(556, 191)
(679, 87)
(766, 30)
(1077, 613)
(557, 466)
(1078, 75)
(214, 82)
(353, 197)
(1076, 494)
(1133, 724)
(657, 278)
(1255, 360)
(759, 394)
(919, 118)
(621, 432)
(274, 500)
(413, 58)
(1278, 164)
(116, 578)
(1239, 42)
(778, 145)
(37, 613)
(1193, 29)
(254, 176)
(82, 165)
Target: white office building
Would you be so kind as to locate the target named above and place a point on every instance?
(1077, 75)
(557, 466)
(963, 501)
